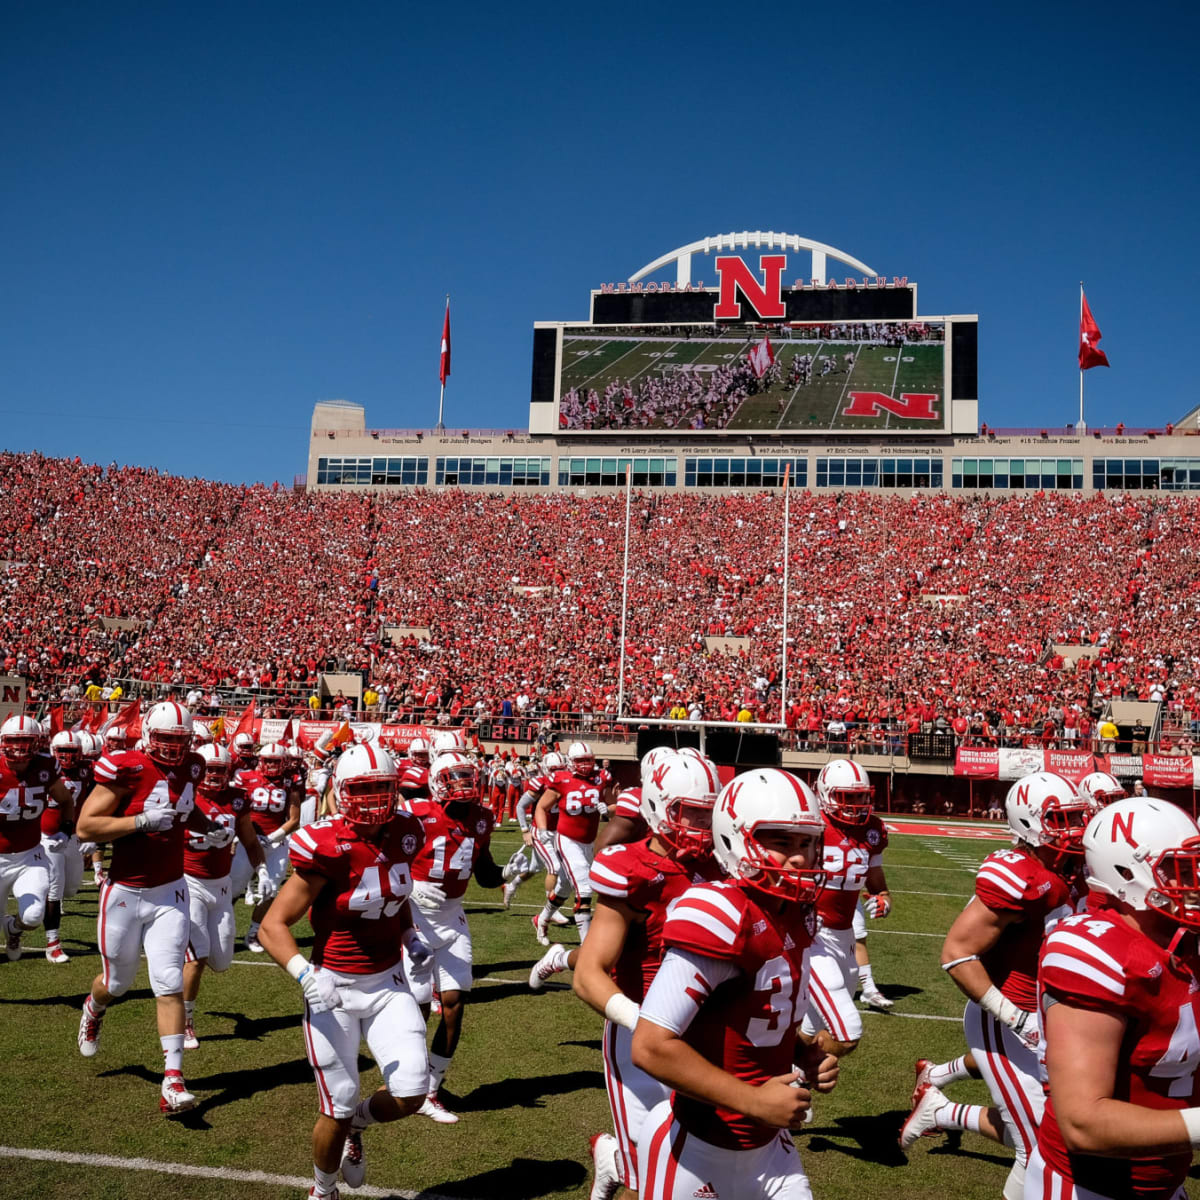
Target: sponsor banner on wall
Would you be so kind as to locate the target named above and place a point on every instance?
(1122, 766)
(1070, 764)
(977, 764)
(1169, 771)
(1016, 763)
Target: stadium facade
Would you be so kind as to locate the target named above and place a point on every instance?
(839, 384)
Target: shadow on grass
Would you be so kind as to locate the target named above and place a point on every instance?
(248, 1029)
(480, 970)
(873, 1138)
(521, 1093)
(522, 1179)
(73, 1002)
(590, 1045)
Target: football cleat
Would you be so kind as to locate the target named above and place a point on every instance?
(253, 944)
(435, 1006)
(921, 1121)
(89, 1030)
(190, 1040)
(606, 1178)
(877, 1000)
(175, 1096)
(354, 1162)
(436, 1111)
(56, 954)
(922, 1069)
(249, 899)
(314, 1194)
(539, 929)
(558, 918)
(12, 938)
(551, 963)
(508, 892)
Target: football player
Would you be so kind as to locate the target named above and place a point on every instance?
(854, 843)
(991, 953)
(64, 861)
(458, 833)
(29, 782)
(539, 841)
(626, 823)
(578, 794)
(720, 1022)
(352, 875)
(1119, 996)
(414, 770)
(141, 803)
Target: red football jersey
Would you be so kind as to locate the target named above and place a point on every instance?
(629, 804)
(414, 779)
(361, 911)
(850, 850)
(1095, 960)
(78, 781)
(201, 858)
(144, 860)
(747, 1026)
(578, 800)
(24, 799)
(452, 844)
(267, 799)
(649, 883)
(1012, 881)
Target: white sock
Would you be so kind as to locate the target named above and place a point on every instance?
(189, 1010)
(98, 1010)
(363, 1116)
(437, 1072)
(583, 922)
(959, 1116)
(558, 957)
(172, 1044)
(950, 1072)
(52, 935)
(326, 1180)
(866, 979)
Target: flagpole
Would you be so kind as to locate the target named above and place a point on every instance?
(442, 397)
(787, 500)
(1081, 428)
(624, 591)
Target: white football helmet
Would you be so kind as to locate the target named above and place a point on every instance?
(447, 742)
(244, 749)
(92, 746)
(20, 740)
(553, 761)
(218, 766)
(652, 758)
(273, 760)
(580, 759)
(846, 792)
(1044, 809)
(1101, 789)
(201, 735)
(67, 749)
(759, 801)
(677, 802)
(116, 738)
(167, 732)
(364, 785)
(453, 777)
(1146, 852)
(418, 751)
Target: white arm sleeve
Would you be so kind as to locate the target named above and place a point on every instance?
(523, 806)
(684, 981)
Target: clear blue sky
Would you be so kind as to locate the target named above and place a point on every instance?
(216, 214)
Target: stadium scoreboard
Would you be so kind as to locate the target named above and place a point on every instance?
(756, 355)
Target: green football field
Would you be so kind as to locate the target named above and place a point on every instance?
(592, 363)
(527, 1080)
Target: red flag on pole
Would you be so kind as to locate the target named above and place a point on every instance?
(245, 723)
(1090, 354)
(445, 369)
(761, 357)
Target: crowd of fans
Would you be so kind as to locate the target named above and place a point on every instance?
(906, 614)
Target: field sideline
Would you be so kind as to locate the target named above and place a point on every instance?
(527, 1080)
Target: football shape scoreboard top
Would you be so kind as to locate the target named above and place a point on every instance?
(762, 349)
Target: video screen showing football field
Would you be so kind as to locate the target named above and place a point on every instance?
(823, 378)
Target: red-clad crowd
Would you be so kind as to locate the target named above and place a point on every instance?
(906, 613)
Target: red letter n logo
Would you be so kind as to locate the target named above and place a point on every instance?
(12, 695)
(916, 406)
(766, 298)
(1123, 823)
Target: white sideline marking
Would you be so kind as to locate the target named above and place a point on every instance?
(173, 1168)
(910, 1016)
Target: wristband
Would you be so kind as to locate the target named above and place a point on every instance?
(1001, 1007)
(296, 966)
(620, 1010)
(1191, 1120)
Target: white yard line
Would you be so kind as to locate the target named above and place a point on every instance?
(71, 1158)
(783, 416)
(849, 376)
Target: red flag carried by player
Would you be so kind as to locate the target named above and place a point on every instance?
(445, 368)
(123, 720)
(761, 357)
(56, 719)
(341, 737)
(1090, 354)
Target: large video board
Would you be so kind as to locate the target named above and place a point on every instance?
(751, 378)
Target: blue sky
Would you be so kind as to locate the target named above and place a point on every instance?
(216, 214)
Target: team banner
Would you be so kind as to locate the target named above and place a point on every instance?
(1156, 770)
(1017, 762)
(1170, 771)
(1070, 764)
(977, 764)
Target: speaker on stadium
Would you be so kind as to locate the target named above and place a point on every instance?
(735, 748)
(666, 735)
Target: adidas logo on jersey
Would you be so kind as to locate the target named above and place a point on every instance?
(788, 944)
(706, 1192)
(760, 927)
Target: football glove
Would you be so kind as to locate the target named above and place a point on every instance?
(56, 843)
(219, 836)
(266, 886)
(878, 906)
(428, 895)
(154, 820)
(320, 990)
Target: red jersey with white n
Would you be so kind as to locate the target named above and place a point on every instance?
(747, 1026)
(201, 859)
(850, 851)
(23, 801)
(649, 883)
(1010, 881)
(361, 911)
(1096, 961)
(146, 860)
(578, 803)
(267, 798)
(78, 781)
(453, 843)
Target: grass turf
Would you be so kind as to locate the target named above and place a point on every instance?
(527, 1080)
